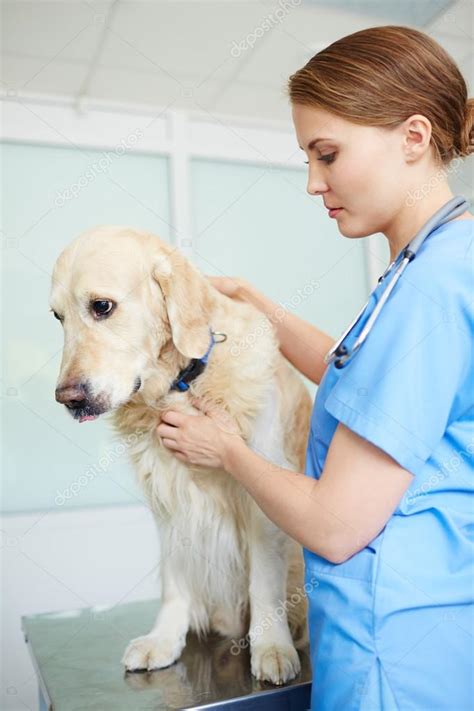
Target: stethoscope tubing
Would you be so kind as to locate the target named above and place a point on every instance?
(339, 353)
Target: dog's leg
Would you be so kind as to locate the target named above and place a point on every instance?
(164, 644)
(273, 655)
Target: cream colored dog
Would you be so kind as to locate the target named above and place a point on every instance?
(134, 313)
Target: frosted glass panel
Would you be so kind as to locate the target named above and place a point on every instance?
(261, 224)
(51, 194)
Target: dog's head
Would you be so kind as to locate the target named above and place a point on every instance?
(124, 297)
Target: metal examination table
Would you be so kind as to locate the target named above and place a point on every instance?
(77, 659)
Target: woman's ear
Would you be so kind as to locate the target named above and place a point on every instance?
(416, 136)
(187, 300)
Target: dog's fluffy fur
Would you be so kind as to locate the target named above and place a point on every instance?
(225, 566)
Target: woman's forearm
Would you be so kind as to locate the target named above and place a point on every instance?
(290, 499)
(300, 342)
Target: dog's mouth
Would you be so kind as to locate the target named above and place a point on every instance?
(87, 410)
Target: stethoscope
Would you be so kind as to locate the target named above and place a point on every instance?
(339, 353)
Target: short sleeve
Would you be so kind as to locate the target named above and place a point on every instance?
(414, 371)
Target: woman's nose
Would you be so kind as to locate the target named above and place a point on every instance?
(316, 185)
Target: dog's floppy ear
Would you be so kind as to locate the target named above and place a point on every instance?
(187, 298)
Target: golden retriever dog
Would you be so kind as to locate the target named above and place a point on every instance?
(136, 314)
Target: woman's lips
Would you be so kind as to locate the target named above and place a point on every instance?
(334, 211)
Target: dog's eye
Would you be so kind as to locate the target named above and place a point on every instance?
(56, 315)
(102, 307)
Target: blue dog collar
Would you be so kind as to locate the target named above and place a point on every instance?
(197, 365)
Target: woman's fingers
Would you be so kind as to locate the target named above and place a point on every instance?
(170, 443)
(166, 430)
(172, 417)
(228, 286)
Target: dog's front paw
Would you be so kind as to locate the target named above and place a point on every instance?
(150, 652)
(277, 663)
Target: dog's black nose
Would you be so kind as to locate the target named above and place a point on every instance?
(71, 394)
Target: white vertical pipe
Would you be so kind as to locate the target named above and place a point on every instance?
(179, 181)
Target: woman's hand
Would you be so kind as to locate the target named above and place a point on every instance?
(200, 440)
(233, 287)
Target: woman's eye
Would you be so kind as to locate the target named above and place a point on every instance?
(328, 158)
(102, 307)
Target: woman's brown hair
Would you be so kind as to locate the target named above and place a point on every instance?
(382, 75)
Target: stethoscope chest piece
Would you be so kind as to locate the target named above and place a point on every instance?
(340, 354)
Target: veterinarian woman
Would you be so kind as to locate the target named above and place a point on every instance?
(385, 507)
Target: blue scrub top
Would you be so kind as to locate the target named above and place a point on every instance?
(392, 627)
